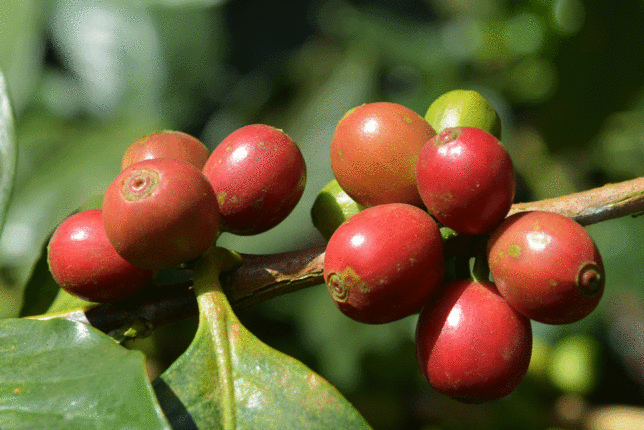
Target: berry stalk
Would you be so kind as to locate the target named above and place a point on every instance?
(596, 205)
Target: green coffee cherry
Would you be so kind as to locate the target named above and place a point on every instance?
(463, 108)
(331, 208)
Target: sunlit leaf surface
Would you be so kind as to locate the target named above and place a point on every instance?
(62, 375)
(8, 153)
(229, 379)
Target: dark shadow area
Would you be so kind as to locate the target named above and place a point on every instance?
(174, 410)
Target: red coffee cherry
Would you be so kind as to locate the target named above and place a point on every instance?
(159, 213)
(384, 263)
(374, 152)
(466, 179)
(471, 344)
(85, 264)
(167, 144)
(258, 174)
(546, 266)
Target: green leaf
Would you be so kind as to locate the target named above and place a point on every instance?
(177, 4)
(229, 379)
(22, 48)
(126, 73)
(8, 153)
(65, 302)
(59, 374)
(41, 290)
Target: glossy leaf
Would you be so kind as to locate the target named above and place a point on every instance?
(21, 48)
(108, 68)
(65, 302)
(8, 152)
(41, 290)
(229, 379)
(62, 375)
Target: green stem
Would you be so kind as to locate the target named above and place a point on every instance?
(480, 270)
(213, 319)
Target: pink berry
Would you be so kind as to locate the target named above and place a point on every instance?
(85, 264)
(161, 212)
(374, 152)
(547, 267)
(466, 179)
(167, 144)
(384, 263)
(258, 174)
(471, 344)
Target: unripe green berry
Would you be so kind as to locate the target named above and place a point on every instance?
(463, 108)
(331, 208)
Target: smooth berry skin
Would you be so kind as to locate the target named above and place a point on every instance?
(547, 267)
(331, 208)
(374, 152)
(160, 213)
(167, 144)
(463, 108)
(85, 264)
(258, 174)
(384, 263)
(471, 344)
(466, 179)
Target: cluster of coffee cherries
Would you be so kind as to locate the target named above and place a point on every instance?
(168, 205)
(406, 185)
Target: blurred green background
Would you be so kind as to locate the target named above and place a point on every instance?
(87, 78)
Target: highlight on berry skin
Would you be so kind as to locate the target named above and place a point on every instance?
(259, 174)
(547, 266)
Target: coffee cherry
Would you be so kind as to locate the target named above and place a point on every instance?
(466, 179)
(258, 174)
(159, 213)
(84, 263)
(331, 208)
(167, 144)
(384, 263)
(374, 152)
(471, 344)
(546, 266)
(463, 108)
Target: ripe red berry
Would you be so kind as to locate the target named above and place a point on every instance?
(85, 264)
(466, 179)
(384, 263)
(471, 344)
(374, 151)
(167, 144)
(547, 267)
(258, 174)
(159, 213)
